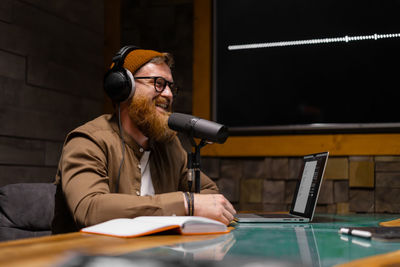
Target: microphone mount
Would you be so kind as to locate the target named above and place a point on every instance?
(194, 162)
(193, 127)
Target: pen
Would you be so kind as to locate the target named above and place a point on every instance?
(355, 232)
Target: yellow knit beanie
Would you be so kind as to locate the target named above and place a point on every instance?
(139, 57)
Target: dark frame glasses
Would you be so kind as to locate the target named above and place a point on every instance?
(160, 84)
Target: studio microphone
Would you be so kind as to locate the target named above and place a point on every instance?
(199, 128)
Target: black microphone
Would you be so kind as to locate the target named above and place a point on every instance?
(199, 128)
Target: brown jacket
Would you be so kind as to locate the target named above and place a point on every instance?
(88, 171)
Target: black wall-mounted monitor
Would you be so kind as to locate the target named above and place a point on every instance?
(311, 65)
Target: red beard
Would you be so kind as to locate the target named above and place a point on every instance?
(149, 121)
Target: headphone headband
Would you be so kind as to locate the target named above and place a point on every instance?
(119, 58)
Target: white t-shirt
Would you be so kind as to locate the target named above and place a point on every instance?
(146, 187)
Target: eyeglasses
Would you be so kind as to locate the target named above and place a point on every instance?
(160, 84)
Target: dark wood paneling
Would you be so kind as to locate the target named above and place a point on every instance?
(17, 151)
(50, 74)
(26, 174)
(12, 65)
(36, 125)
(52, 153)
(16, 94)
(5, 14)
(88, 14)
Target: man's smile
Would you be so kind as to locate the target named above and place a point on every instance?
(163, 105)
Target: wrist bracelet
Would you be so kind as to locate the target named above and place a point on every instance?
(192, 202)
(187, 197)
(189, 203)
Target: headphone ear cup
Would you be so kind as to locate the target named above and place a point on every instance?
(132, 83)
(119, 85)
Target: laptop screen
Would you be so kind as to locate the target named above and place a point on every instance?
(307, 189)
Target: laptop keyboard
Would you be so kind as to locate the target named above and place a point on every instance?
(277, 215)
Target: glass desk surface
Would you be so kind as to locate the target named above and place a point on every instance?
(308, 244)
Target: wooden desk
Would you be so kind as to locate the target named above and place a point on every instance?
(313, 244)
(49, 250)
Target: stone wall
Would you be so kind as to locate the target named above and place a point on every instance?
(51, 67)
(351, 184)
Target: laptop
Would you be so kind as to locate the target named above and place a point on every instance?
(305, 197)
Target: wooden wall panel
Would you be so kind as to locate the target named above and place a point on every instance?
(12, 66)
(201, 102)
(51, 72)
(87, 14)
(23, 174)
(21, 151)
(298, 145)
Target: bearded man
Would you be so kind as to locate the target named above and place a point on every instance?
(130, 163)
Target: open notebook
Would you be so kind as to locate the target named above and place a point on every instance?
(305, 197)
(147, 225)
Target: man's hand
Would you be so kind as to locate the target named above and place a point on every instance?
(213, 206)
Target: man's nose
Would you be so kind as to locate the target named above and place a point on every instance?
(167, 92)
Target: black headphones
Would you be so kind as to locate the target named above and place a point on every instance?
(119, 84)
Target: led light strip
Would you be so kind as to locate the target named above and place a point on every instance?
(315, 41)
